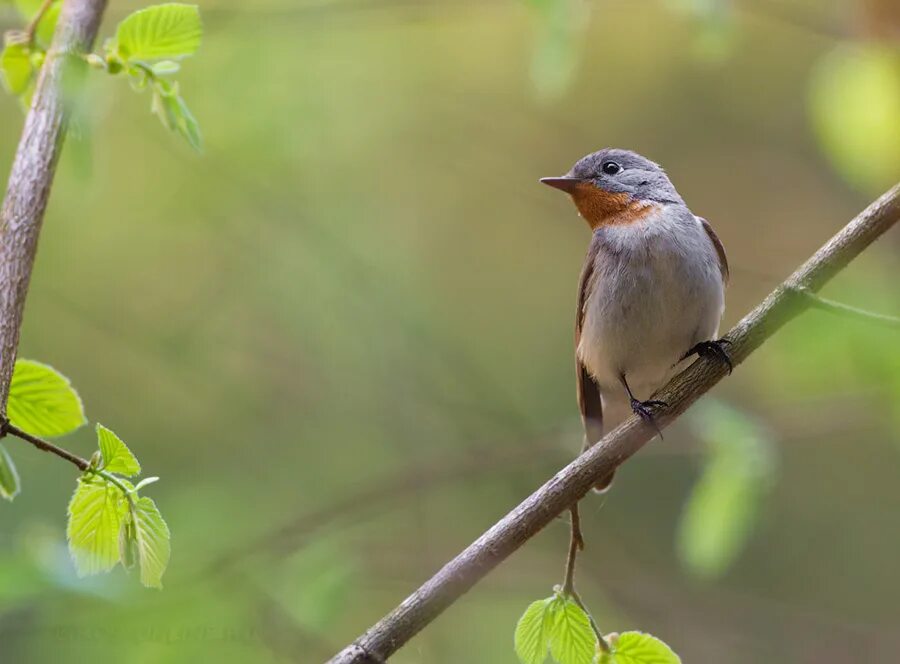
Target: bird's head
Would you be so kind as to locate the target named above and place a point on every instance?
(615, 186)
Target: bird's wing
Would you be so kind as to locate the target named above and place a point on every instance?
(588, 391)
(717, 244)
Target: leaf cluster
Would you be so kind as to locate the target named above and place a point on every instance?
(108, 521)
(558, 626)
(147, 48)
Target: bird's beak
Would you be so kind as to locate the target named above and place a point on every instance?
(565, 183)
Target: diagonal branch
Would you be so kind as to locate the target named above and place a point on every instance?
(575, 480)
(32, 172)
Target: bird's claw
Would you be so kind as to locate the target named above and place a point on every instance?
(713, 349)
(644, 410)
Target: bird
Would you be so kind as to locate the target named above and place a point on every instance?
(651, 293)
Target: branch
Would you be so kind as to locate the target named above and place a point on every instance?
(8, 428)
(575, 480)
(825, 304)
(32, 172)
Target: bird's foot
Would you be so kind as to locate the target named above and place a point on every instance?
(713, 349)
(644, 410)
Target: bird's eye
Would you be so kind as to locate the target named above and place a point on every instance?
(611, 168)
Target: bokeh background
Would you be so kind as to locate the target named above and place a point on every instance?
(342, 335)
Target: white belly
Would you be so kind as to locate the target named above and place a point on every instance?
(657, 291)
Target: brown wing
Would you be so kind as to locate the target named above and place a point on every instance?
(587, 390)
(720, 250)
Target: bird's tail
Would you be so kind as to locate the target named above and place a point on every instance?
(615, 411)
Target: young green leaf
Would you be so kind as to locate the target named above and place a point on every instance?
(173, 112)
(168, 31)
(42, 401)
(532, 636)
(152, 536)
(9, 477)
(722, 509)
(15, 63)
(639, 648)
(572, 640)
(117, 458)
(96, 512)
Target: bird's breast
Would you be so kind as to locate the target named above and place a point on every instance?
(655, 291)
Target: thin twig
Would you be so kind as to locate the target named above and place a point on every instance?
(31, 28)
(7, 428)
(576, 544)
(572, 482)
(825, 304)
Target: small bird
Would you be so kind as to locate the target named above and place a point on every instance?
(651, 292)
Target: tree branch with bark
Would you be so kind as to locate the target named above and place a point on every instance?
(563, 491)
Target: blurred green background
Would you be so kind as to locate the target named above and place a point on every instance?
(342, 335)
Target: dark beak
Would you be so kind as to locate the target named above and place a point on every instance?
(566, 183)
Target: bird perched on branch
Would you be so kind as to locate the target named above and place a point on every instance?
(651, 292)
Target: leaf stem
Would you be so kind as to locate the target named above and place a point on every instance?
(576, 544)
(31, 28)
(834, 307)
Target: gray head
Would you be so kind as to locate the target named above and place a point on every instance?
(619, 172)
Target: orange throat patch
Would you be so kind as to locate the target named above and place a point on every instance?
(602, 208)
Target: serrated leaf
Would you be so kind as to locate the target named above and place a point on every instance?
(15, 63)
(640, 648)
(572, 640)
(96, 512)
(153, 547)
(117, 458)
(42, 401)
(723, 506)
(9, 477)
(532, 635)
(167, 31)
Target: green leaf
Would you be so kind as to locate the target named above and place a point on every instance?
(96, 512)
(9, 477)
(173, 112)
(117, 458)
(639, 648)
(15, 63)
(168, 31)
(532, 636)
(42, 401)
(572, 640)
(152, 536)
(855, 103)
(722, 510)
